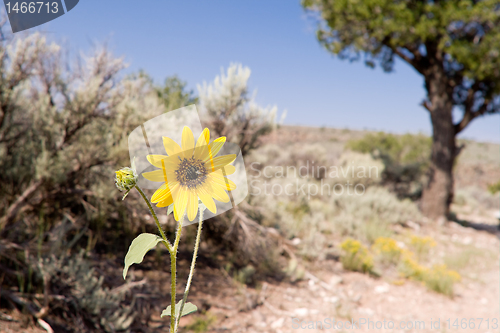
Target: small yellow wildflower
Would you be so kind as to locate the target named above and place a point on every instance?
(422, 245)
(410, 268)
(441, 279)
(388, 248)
(356, 256)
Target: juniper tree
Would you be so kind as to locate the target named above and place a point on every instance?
(454, 45)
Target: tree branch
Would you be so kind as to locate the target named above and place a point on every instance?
(469, 116)
(415, 61)
(426, 105)
(19, 203)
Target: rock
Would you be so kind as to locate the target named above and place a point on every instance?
(333, 299)
(334, 280)
(383, 288)
(278, 323)
(301, 312)
(413, 225)
(366, 311)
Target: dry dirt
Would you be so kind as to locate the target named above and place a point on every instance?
(328, 292)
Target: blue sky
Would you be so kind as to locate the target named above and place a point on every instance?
(195, 39)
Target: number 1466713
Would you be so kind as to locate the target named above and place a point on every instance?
(32, 7)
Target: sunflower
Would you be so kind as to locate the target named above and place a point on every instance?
(191, 173)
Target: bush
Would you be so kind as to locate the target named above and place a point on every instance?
(410, 268)
(355, 256)
(476, 198)
(494, 188)
(86, 299)
(441, 279)
(422, 245)
(406, 159)
(438, 278)
(376, 205)
(63, 130)
(388, 249)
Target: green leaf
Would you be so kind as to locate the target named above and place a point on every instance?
(138, 249)
(188, 308)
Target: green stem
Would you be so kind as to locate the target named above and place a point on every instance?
(193, 263)
(165, 239)
(173, 274)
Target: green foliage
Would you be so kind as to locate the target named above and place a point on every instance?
(422, 245)
(63, 129)
(173, 93)
(86, 298)
(410, 268)
(454, 45)
(375, 203)
(441, 279)
(356, 256)
(201, 324)
(467, 31)
(138, 249)
(404, 149)
(494, 188)
(373, 229)
(388, 249)
(474, 196)
(246, 275)
(405, 158)
(437, 278)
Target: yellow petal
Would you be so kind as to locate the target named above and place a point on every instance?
(207, 200)
(165, 202)
(204, 139)
(163, 191)
(202, 145)
(180, 202)
(167, 177)
(217, 178)
(219, 162)
(158, 176)
(217, 145)
(214, 148)
(170, 162)
(187, 139)
(228, 169)
(156, 159)
(192, 207)
(171, 147)
(218, 193)
(160, 192)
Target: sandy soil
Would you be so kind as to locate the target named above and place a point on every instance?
(329, 293)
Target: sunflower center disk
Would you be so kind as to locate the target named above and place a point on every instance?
(191, 172)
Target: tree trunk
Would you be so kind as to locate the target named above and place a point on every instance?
(438, 193)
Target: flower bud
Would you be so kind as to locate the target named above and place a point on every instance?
(125, 179)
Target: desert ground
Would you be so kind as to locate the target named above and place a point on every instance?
(314, 290)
